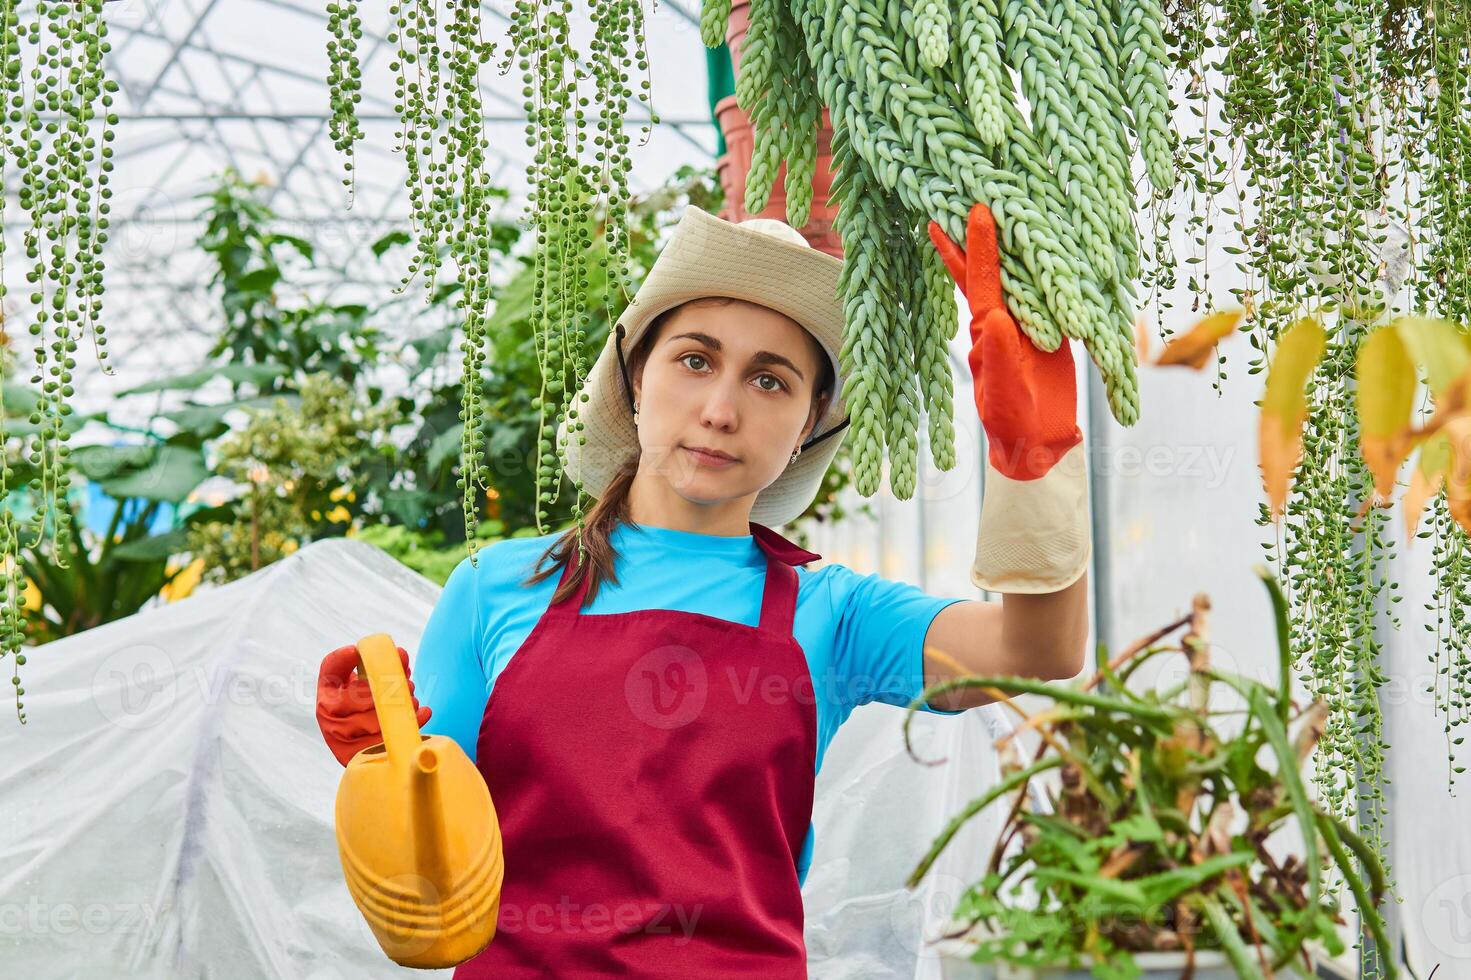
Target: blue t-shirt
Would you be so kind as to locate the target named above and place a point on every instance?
(863, 635)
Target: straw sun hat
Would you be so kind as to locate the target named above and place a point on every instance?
(760, 260)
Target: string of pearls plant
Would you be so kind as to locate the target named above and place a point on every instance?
(1350, 120)
(446, 150)
(56, 131)
(1437, 120)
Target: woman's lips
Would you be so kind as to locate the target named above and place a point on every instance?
(705, 459)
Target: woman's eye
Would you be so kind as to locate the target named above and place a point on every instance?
(686, 358)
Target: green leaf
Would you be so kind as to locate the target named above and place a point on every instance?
(445, 445)
(260, 280)
(71, 422)
(1122, 891)
(300, 244)
(1166, 885)
(256, 374)
(103, 462)
(1284, 642)
(1138, 827)
(1368, 908)
(1236, 949)
(389, 241)
(170, 474)
(155, 548)
(513, 303)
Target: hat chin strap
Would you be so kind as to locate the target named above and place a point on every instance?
(628, 393)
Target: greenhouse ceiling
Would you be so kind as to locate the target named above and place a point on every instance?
(206, 84)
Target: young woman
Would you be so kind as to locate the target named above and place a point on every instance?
(650, 714)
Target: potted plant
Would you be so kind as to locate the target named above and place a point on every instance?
(1148, 856)
(813, 211)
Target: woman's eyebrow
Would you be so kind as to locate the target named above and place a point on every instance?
(760, 357)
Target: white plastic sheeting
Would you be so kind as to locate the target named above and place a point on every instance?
(877, 812)
(168, 806)
(169, 802)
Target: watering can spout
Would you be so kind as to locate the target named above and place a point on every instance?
(428, 821)
(417, 832)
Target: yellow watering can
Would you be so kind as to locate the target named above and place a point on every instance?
(416, 830)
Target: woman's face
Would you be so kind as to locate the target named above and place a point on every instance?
(734, 377)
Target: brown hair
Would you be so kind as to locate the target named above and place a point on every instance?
(612, 507)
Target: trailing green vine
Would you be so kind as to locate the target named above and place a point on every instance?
(446, 151)
(1434, 115)
(344, 82)
(56, 134)
(1329, 107)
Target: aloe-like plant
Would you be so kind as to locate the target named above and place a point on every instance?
(1156, 834)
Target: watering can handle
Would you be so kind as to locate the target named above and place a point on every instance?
(390, 687)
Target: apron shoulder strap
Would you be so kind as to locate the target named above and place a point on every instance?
(779, 597)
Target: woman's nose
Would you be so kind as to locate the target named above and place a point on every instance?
(720, 406)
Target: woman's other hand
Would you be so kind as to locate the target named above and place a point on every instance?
(345, 710)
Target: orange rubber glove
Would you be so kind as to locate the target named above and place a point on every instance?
(1034, 533)
(345, 710)
(1027, 399)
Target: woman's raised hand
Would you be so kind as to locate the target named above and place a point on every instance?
(345, 710)
(1027, 398)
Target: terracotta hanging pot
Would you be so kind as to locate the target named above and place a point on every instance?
(740, 144)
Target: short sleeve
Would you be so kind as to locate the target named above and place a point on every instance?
(878, 643)
(449, 672)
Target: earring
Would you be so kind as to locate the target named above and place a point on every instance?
(797, 452)
(635, 415)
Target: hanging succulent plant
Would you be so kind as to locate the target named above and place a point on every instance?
(56, 132)
(344, 81)
(1352, 120)
(927, 119)
(446, 151)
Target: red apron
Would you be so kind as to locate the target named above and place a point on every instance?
(653, 772)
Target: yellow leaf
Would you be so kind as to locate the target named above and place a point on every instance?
(183, 584)
(1194, 348)
(1458, 475)
(1425, 480)
(1386, 395)
(1439, 346)
(1285, 407)
(1141, 340)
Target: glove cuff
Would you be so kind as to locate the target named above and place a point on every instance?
(1035, 535)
